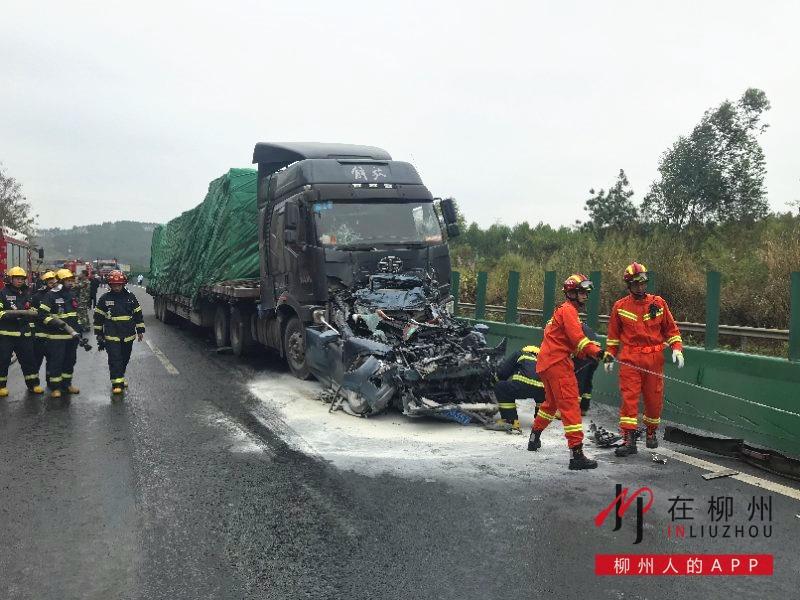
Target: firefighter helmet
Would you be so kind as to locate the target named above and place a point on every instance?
(48, 275)
(16, 272)
(63, 274)
(635, 272)
(578, 282)
(116, 277)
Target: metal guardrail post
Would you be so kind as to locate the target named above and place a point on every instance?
(593, 306)
(480, 296)
(512, 298)
(651, 282)
(713, 288)
(794, 318)
(455, 289)
(549, 296)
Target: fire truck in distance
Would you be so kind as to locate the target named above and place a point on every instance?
(16, 251)
(104, 266)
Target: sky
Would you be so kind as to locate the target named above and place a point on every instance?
(126, 110)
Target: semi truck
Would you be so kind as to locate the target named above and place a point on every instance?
(334, 256)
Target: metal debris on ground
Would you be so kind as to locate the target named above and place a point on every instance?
(657, 458)
(604, 438)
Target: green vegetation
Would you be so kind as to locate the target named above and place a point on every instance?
(127, 241)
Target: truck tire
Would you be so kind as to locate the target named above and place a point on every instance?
(167, 316)
(222, 327)
(294, 348)
(241, 338)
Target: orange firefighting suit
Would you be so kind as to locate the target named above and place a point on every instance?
(563, 339)
(641, 328)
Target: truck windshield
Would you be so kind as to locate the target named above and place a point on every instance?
(376, 223)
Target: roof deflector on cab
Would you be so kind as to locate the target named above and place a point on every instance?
(272, 157)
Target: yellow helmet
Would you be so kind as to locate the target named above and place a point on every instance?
(64, 274)
(16, 272)
(48, 275)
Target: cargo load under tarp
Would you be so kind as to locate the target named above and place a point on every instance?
(216, 241)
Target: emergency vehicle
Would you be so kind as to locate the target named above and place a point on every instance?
(15, 251)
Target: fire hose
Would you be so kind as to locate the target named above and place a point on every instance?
(32, 313)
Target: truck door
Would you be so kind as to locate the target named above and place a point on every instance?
(276, 258)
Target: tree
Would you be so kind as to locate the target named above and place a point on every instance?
(716, 174)
(613, 210)
(15, 211)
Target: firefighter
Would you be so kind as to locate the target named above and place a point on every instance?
(563, 338)
(117, 322)
(641, 324)
(518, 380)
(94, 283)
(84, 294)
(58, 309)
(584, 371)
(46, 282)
(16, 331)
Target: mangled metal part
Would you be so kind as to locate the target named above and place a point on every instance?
(604, 438)
(768, 460)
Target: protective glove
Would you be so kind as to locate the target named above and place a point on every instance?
(677, 357)
(608, 361)
(101, 343)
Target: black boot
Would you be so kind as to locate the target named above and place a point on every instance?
(651, 441)
(534, 443)
(628, 443)
(580, 461)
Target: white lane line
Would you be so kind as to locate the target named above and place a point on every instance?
(162, 357)
(778, 488)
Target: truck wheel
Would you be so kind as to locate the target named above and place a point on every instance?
(241, 340)
(294, 348)
(222, 333)
(166, 314)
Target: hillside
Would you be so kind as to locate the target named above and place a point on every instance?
(128, 241)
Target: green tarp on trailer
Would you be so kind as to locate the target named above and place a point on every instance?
(216, 241)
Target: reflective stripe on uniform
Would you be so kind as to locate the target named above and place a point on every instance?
(628, 421)
(586, 396)
(573, 428)
(100, 312)
(58, 336)
(54, 379)
(673, 339)
(66, 376)
(650, 421)
(545, 416)
(583, 343)
(526, 357)
(627, 314)
(647, 316)
(11, 333)
(113, 338)
(34, 376)
(137, 309)
(528, 380)
(118, 380)
(610, 342)
(507, 405)
(122, 318)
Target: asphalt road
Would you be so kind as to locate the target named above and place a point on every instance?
(217, 478)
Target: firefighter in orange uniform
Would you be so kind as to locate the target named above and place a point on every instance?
(563, 339)
(639, 327)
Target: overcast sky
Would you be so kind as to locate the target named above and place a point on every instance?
(126, 110)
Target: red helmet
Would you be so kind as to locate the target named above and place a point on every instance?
(577, 282)
(116, 277)
(635, 272)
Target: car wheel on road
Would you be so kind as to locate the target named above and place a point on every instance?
(241, 340)
(222, 333)
(294, 348)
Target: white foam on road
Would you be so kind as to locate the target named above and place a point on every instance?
(237, 439)
(391, 443)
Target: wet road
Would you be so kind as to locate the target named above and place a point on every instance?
(216, 478)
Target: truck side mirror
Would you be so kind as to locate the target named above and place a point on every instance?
(449, 211)
(453, 230)
(292, 215)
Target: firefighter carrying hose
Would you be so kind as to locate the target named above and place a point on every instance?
(16, 331)
(518, 380)
(563, 338)
(117, 322)
(59, 311)
(641, 324)
(46, 282)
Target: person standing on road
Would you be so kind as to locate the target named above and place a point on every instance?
(518, 380)
(59, 310)
(117, 322)
(16, 331)
(47, 282)
(94, 283)
(83, 290)
(564, 338)
(642, 325)
(139, 279)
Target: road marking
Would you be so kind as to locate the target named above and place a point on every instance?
(162, 357)
(778, 488)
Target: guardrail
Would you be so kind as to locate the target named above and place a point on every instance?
(711, 329)
(780, 335)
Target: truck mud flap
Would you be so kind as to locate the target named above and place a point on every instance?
(768, 460)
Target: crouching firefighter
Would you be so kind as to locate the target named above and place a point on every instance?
(117, 322)
(641, 325)
(518, 380)
(59, 312)
(563, 339)
(16, 331)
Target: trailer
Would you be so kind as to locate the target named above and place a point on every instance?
(335, 256)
